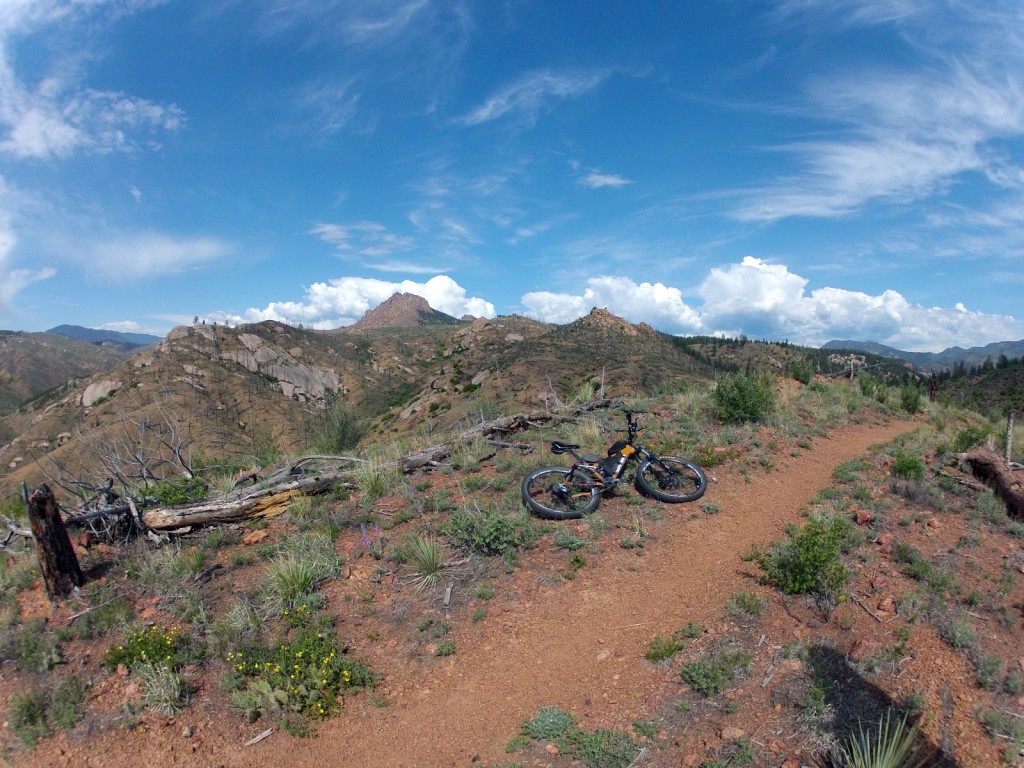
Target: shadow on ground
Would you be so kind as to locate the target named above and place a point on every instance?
(858, 704)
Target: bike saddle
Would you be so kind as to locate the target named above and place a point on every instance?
(559, 448)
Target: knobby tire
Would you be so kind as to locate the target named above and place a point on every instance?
(539, 496)
(684, 480)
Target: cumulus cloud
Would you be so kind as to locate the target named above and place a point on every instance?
(342, 301)
(767, 300)
(764, 300)
(654, 303)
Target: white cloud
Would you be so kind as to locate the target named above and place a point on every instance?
(897, 135)
(597, 180)
(366, 238)
(763, 300)
(654, 303)
(526, 97)
(344, 300)
(56, 116)
(13, 280)
(769, 301)
(135, 256)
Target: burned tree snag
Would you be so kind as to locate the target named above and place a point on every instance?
(57, 559)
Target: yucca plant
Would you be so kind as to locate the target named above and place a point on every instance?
(891, 745)
(426, 559)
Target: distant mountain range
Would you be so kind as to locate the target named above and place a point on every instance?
(937, 361)
(94, 336)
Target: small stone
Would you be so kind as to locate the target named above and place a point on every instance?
(933, 522)
(860, 650)
(864, 516)
(551, 749)
(731, 734)
(186, 732)
(887, 604)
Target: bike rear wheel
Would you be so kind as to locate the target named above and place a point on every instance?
(671, 479)
(551, 494)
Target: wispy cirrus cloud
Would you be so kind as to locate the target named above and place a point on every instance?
(126, 256)
(525, 98)
(366, 238)
(898, 136)
(370, 23)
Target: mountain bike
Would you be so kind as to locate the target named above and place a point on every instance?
(567, 493)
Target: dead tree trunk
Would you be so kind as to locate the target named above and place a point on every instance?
(57, 559)
(990, 468)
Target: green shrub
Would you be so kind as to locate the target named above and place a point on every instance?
(664, 647)
(906, 466)
(911, 399)
(968, 437)
(566, 539)
(801, 370)
(491, 532)
(445, 648)
(66, 701)
(305, 675)
(27, 719)
(603, 748)
(712, 672)
(179, 490)
(808, 561)
(338, 430)
(745, 605)
(744, 397)
(31, 646)
(549, 724)
(152, 645)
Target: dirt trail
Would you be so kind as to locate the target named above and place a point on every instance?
(576, 644)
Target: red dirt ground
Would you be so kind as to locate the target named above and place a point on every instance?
(547, 640)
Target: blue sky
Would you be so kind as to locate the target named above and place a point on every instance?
(796, 169)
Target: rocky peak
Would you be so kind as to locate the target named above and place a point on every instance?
(600, 317)
(402, 310)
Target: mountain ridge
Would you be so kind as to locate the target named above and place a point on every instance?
(936, 361)
(99, 336)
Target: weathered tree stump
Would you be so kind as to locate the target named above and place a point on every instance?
(57, 559)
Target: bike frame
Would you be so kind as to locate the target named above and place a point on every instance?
(589, 470)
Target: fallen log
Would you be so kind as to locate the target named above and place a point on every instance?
(310, 475)
(991, 469)
(264, 502)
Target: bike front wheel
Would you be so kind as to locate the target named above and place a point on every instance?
(671, 479)
(550, 493)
